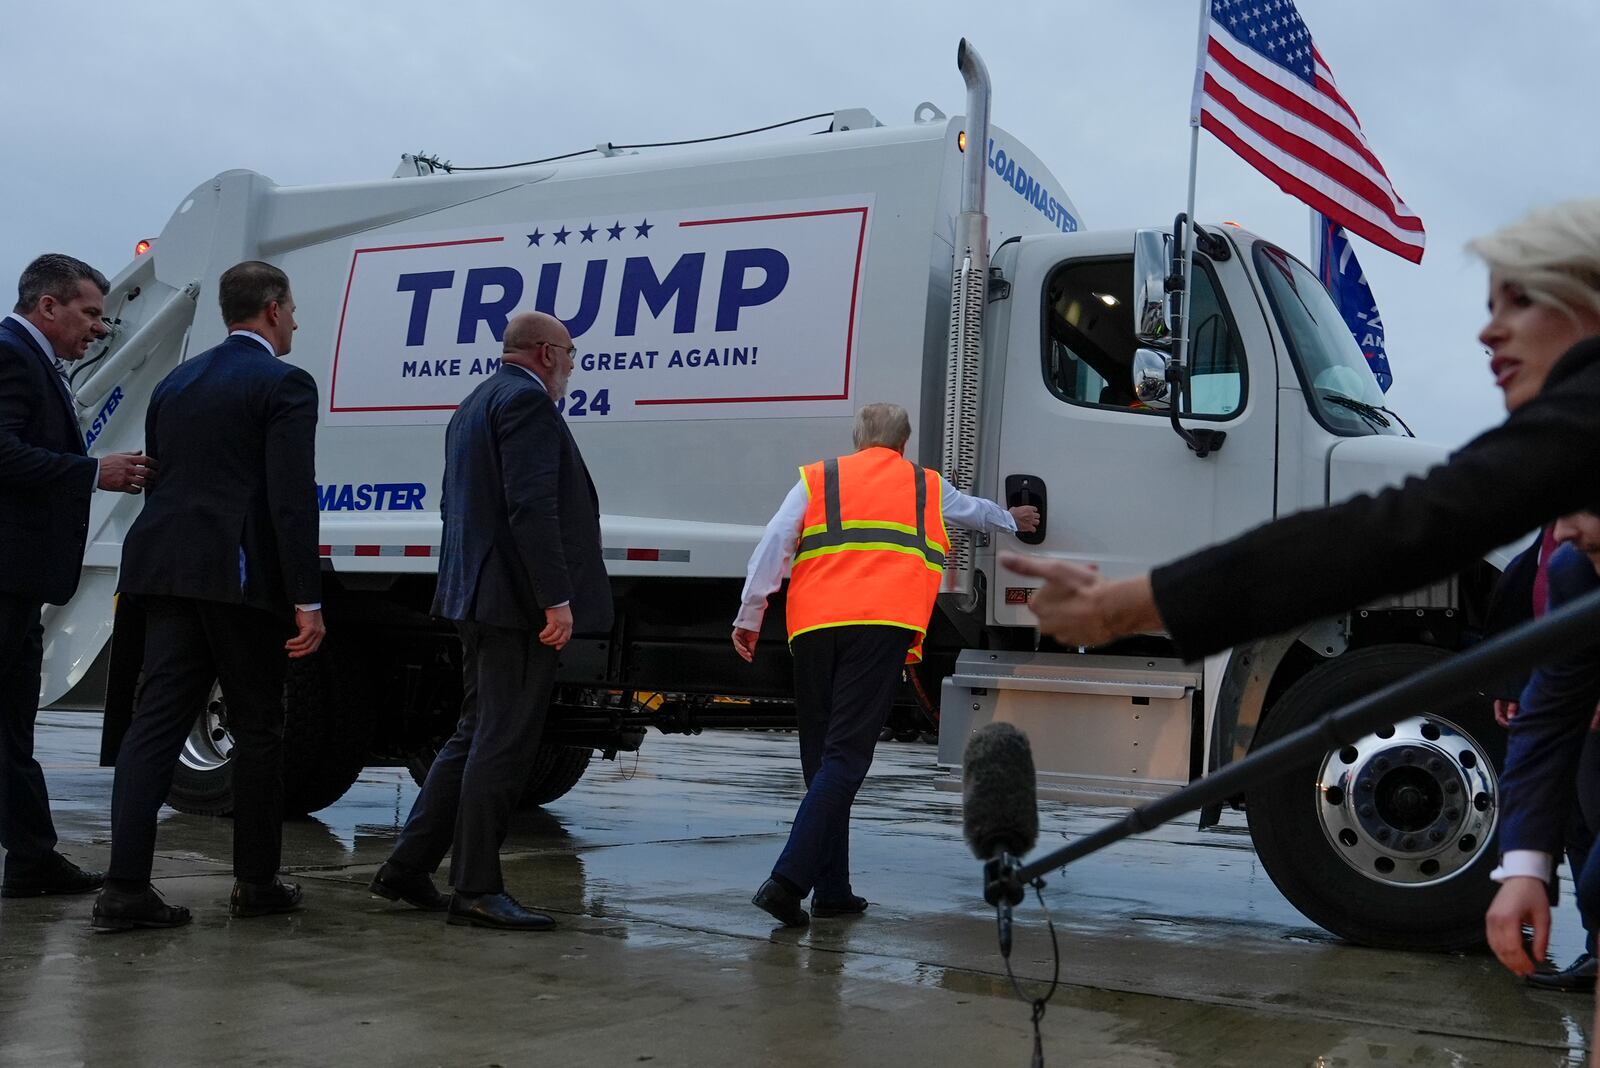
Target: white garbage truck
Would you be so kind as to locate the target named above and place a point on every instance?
(733, 304)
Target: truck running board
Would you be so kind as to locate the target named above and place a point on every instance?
(1105, 730)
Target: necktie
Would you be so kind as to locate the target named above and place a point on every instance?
(61, 369)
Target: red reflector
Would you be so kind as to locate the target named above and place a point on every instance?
(324, 550)
(418, 550)
(644, 554)
(367, 550)
(142, 247)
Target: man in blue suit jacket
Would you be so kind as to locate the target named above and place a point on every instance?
(520, 569)
(224, 561)
(46, 480)
(1540, 780)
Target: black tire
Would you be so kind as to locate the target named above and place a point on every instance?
(328, 724)
(556, 769)
(1350, 840)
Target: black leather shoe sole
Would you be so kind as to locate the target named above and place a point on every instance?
(853, 907)
(47, 891)
(1563, 983)
(177, 917)
(390, 892)
(289, 900)
(87, 885)
(468, 919)
(781, 906)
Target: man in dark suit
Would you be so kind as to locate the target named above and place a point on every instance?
(520, 569)
(222, 554)
(46, 480)
(1545, 755)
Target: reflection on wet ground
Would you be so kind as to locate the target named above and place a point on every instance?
(1177, 949)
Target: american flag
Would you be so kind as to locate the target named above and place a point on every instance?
(1265, 92)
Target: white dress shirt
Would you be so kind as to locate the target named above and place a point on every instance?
(770, 562)
(1532, 863)
(57, 363)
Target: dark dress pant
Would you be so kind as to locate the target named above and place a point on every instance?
(189, 645)
(26, 831)
(478, 777)
(846, 679)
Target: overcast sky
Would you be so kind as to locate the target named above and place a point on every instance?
(1479, 111)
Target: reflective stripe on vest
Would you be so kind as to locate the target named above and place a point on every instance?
(872, 547)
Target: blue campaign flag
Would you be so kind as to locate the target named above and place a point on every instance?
(1337, 267)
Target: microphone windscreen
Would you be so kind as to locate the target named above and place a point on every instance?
(998, 798)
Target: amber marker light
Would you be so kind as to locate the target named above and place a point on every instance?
(142, 247)
(961, 141)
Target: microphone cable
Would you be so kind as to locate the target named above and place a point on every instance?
(1037, 1004)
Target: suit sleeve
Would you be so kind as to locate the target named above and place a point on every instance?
(530, 438)
(291, 442)
(1539, 464)
(1538, 784)
(26, 466)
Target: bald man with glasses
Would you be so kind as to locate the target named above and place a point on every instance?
(520, 571)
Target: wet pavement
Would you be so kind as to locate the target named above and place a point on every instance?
(1176, 948)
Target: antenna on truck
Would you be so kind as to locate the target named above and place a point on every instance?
(609, 149)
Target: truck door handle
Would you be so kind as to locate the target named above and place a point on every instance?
(1029, 489)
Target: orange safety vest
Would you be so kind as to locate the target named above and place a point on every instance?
(871, 548)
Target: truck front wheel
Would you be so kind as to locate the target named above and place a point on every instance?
(1387, 842)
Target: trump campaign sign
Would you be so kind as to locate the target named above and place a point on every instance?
(717, 313)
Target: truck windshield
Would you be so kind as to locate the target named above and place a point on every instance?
(1343, 394)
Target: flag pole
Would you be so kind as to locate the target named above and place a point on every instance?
(1181, 349)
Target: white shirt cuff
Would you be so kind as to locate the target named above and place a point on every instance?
(308, 607)
(750, 617)
(1530, 863)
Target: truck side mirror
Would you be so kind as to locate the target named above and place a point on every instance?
(1150, 379)
(1152, 315)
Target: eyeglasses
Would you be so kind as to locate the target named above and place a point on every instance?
(568, 349)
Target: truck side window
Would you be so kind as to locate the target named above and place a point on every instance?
(1089, 342)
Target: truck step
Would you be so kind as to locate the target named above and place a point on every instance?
(1105, 730)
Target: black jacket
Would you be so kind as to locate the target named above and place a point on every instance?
(231, 515)
(521, 516)
(1541, 463)
(46, 480)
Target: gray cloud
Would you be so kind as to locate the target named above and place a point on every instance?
(1476, 111)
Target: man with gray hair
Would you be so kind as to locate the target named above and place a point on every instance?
(46, 480)
(866, 534)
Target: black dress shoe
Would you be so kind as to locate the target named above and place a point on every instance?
(128, 910)
(850, 906)
(1576, 978)
(263, 899)
(781, 905)
(499, 911)
(412, 887)
(54, 875)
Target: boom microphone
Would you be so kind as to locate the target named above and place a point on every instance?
(999, 810)
(999, 814)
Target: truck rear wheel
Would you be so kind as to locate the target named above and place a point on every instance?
(555, 770)
(1387, 842)
(327, 732)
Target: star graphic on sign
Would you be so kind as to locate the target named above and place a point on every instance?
(615, 230)
(533, 238)
(588, 232)
(643, 229)
(561, 235)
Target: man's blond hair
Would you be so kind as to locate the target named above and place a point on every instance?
(885, 425)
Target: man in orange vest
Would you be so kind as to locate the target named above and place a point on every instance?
(866, 534)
